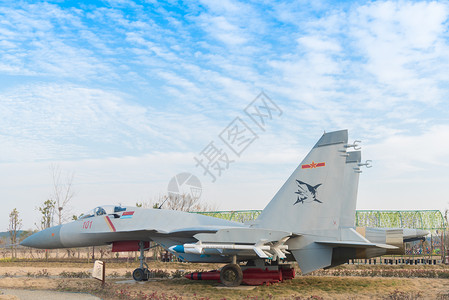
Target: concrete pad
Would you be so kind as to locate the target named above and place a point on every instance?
(239, 288)
(13, 294)
(132, 281)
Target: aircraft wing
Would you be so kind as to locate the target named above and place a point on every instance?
(351, 244)
(242, 235)
(192, 231)
(262, 243)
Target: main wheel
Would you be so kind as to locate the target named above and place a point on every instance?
(231, 275)
(139, 274)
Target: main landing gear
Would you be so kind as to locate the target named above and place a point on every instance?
(231, 275)
(141, 273)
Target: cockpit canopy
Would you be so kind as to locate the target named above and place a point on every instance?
(103, 210)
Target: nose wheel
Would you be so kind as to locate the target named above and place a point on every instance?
(140, 274)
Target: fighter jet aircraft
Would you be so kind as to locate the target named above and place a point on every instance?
(310, 220)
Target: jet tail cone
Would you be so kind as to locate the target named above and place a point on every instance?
(414, 234)
(421, 232)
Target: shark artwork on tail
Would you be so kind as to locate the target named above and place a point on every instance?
(306, 192)
(310, 220)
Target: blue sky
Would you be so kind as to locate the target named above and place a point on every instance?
(125, 94)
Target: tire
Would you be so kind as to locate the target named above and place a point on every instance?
(231, 275)
(139, 274)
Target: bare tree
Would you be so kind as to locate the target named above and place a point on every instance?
(15, 224)
(48, 212)
(2, 241)
(62, 191)
(182, 202)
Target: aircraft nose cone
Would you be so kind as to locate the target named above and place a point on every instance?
(46, 239)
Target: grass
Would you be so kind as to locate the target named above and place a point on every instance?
(109, 264)
(67, 274)
(323, 285)
(308, 287)
(312, 284)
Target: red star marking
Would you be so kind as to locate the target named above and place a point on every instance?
(313, 165)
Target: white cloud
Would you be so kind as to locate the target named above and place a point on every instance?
(402, 43)
(39, 43)
(409, 171)
(315, 43)
(54, 116)
(224, 31)
(400, 154)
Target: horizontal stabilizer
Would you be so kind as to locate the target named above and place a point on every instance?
(386, 246)
(351, 244)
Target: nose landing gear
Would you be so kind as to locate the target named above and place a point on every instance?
(140, 274)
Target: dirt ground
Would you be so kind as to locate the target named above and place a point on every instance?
(47, 276)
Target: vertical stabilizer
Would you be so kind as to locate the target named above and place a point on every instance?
(350, 187)
(310, 201)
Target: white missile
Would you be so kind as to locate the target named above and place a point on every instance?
(259, 248)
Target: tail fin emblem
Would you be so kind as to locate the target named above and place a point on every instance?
(306, 192)
(313, 165)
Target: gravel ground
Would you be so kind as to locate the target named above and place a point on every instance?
(13, 294)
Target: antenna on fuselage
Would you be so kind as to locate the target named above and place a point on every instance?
(160, 206)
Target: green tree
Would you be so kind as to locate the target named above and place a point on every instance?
(75, 217)
(15, 224)
(48, 212)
